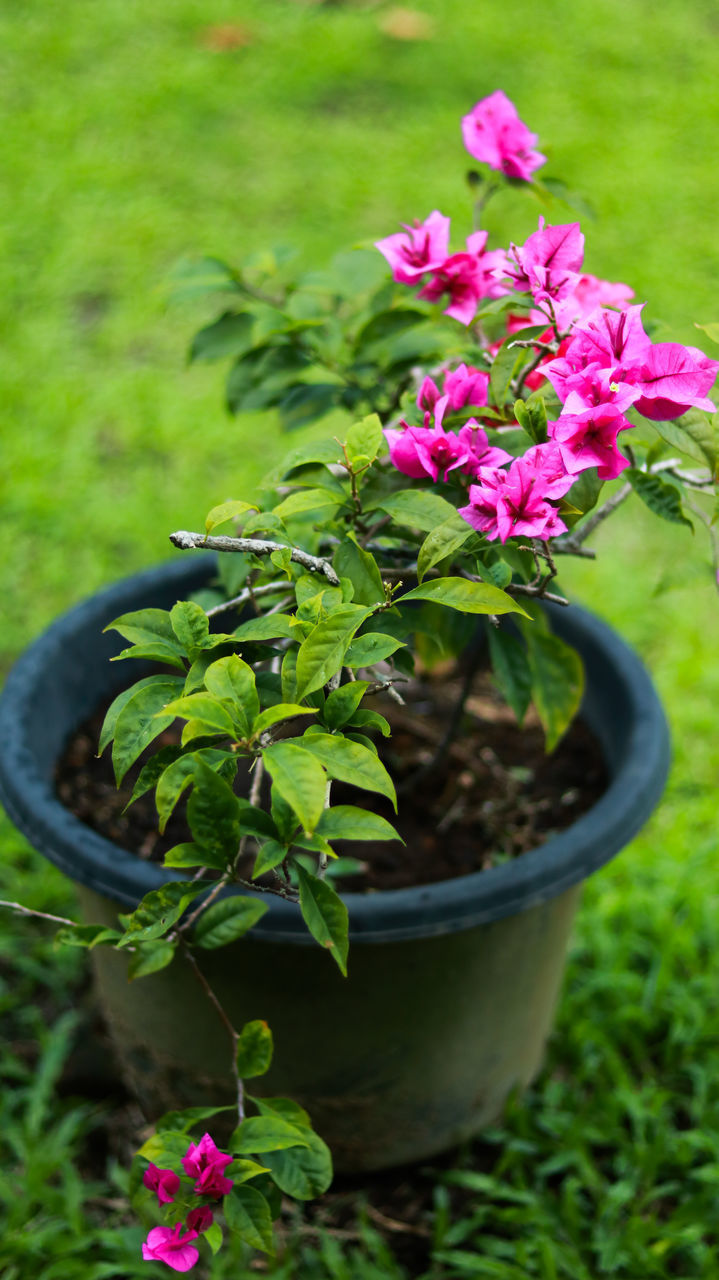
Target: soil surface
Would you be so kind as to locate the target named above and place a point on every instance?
(490, 794)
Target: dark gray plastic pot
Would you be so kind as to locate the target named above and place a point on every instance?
(451, 986)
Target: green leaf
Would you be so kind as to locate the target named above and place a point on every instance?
(269, 855)
(365, 439)
(468, 597)
(189, 855)
(164, 1147)
(152, 771)
(326, 452)
(280, 711)
(349, 762)
(388, 323)
(373, 647)
(366, 719)
(303, 501)
(360, 566)
(203, 710)
(158, 911)
(341, 704)
(299, 779)
(254, 1049)
(347, 822)
(140, 722)
(302, 1172)
(659, 495)
(506, 366)
(227, 511)
(443, 541)
(231, 335)
(325, 915)
(242, 1170)
(531, 414)
(584, 493)
(155, 651)
(274, 626)
(145, 626)
(247, 1214)
(86, 935)
(150, 957)
(113, 712)
(183, 1121)
(191, 626)
(308, 402)
(285, 1108)
(213, 814)
(213, 1236)
(418, 508)
(510, 667)
(259, 1134)
(234, 680)
(226, 921)
(320, 655)
(179, 774)
(695, 434)
(557, 682)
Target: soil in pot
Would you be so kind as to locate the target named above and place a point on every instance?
(491, 794)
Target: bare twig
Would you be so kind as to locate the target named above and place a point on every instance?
(265, 589)
(568, 546)
(39, 915)
(233, 1035)
(187, 541)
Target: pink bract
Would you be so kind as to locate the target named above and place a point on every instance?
(166, 1244)
(547, 265)
(205, 1163)
(474, 440)
(589, 439)
(163, 1181)
(467, 277)
(673, 379)
(514, 503)
(466, 385)
(417, 249)
(200, 1219)
(494, 134)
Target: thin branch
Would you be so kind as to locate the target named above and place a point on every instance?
(265, 589)
(519, 589)
(39, 915)
(187, 541)
(568, 546)
(233, 1035)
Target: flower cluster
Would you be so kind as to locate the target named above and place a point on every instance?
(595, 353)
(206, 1164)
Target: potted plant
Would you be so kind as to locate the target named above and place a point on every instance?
(423, 540)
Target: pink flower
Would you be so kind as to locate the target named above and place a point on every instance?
(200, 1219)
(548, 263)
(467, 277)
(592, 386)
(417, 249)
(163, 1181)
(425, 451)
(428, 394)
(166, 1244)
(610, 339)
(473, 439)
(589, 293)
(589, 439)
(673, 379)
(493, 133)
(466, 385)
(204, 1162)
(514, 503)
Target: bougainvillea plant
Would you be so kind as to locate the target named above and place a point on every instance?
(492, 395)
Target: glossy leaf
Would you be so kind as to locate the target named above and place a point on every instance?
(213, 814)
(663, 498)
(364, 718)
(468, 597)
(144, 626)
(353, 562)
(178, 775)
(226, 921)
(273, 626)
(443, 541)
(418, 508)
(259, 1134)
(511, 671)
(302, 1172)
(557, 682)
(227, 511)
(321, 654)
(158, 911)
(151, 957)
(276, 714)
(325, 915)
(253, 1054)
(247, 1214)
(347, 822)
(349, 762)
(299, 778)
(140, 722)
(204, 710)
(86, 935)
(372, 647)
(365, 439)
(113, 712)
(341, 704)
(234, 680)
(321, 501)
(230, 335)
(190, 624)
(269, 855)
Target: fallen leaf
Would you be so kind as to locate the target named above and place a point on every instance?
(407, 24)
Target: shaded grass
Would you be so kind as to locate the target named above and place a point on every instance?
(132, 145)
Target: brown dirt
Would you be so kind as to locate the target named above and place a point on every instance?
(495, 794)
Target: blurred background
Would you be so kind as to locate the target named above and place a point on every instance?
(137, 136)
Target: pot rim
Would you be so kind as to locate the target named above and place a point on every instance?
(621, 705)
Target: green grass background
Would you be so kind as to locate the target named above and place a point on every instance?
(130, 143)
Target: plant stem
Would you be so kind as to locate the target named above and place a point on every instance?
(570, 545)
(233, 1035)
(187, 541)
(39, 915)
(265, 589)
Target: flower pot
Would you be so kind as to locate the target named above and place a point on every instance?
(451, 986)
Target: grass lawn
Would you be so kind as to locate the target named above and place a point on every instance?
(141, 135)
